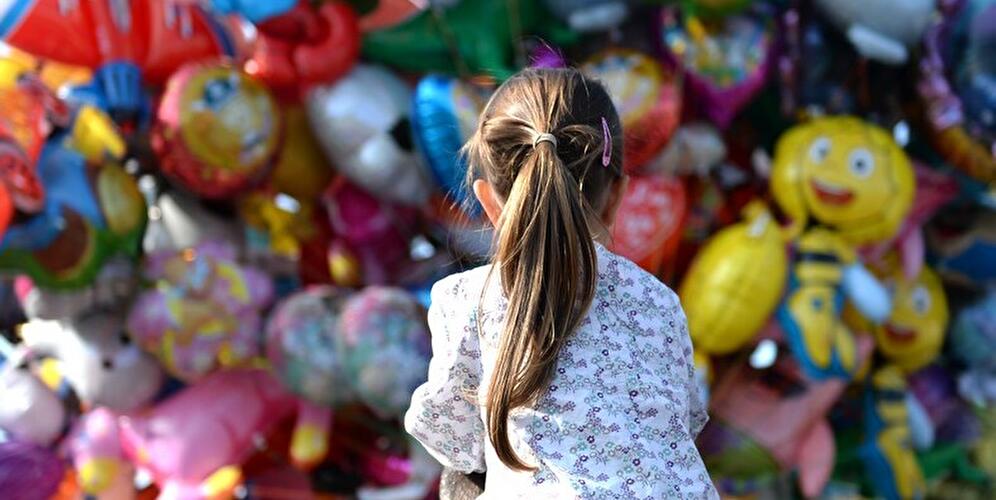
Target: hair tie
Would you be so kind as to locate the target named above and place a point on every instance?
(606, 143)
(545, 138)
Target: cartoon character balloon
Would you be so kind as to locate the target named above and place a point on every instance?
(362, 123)
(856, 185)
(204, 311)
(646, 96)
(444, 116)
(92, 209)
(914, 333)
(384, 327)
(726, 60)
(126, 43)
(217, 130)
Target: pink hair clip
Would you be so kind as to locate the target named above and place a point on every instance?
(607, 143)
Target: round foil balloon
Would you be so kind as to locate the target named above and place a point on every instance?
(362, 124)
(29, 471)
(302, 338)
(646, 97)
(648, 224)
(385, 345)
(726, 60)
(217, 130)
(444, 116)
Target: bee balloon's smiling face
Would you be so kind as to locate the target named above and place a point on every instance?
(914, 333)
(846, 174)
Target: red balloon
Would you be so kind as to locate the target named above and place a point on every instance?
(306, 46)
(391, 13)
(648, 225)
(158, 36)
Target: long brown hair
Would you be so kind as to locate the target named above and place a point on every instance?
(544, 251)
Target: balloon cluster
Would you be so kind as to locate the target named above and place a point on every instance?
(220, 220)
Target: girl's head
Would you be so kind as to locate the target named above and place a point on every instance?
(546, 165)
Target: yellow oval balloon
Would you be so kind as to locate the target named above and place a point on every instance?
(845, 173)
(735, 283)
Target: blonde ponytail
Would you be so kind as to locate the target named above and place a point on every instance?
(544, 251)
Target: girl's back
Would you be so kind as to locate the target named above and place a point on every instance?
(562, 370)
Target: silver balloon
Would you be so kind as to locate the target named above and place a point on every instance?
(361, 122)
(590, 15)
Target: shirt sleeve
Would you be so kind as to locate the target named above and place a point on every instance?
(698, 414)
(444, 415)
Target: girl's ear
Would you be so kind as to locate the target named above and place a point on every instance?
(489, 200)
(615, 196)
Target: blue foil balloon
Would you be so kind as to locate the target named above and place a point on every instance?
(444, 116)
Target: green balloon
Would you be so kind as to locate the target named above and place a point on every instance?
(475, 36)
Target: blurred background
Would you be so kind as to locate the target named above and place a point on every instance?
(220, 219)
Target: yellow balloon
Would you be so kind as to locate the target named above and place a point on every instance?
(914, 334)
(735, 283)
(846, 174)
(301, 170)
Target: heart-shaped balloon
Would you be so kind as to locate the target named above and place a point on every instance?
(217, 130)
(725, 60)
(646, 97)
(362, 124)
(444, 116)
(648, 224)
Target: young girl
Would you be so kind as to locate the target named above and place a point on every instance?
(562, 370)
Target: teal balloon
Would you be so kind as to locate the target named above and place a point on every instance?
(444, 117)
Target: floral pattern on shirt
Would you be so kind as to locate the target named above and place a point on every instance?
(620, 415)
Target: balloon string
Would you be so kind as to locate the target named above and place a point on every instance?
(463, 71)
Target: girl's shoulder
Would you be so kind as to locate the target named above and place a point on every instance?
(458, 289)
(621, 278)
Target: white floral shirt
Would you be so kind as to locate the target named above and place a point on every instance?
(621, 413)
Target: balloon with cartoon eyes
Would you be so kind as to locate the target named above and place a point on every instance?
(842, 183)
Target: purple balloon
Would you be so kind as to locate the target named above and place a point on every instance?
(28, 471)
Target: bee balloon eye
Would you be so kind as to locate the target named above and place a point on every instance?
(819, 150)
(861, 163)
(921, 300)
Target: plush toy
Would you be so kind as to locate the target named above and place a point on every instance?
(29, 409)
(362, 123)
(646, 96)
(98, 358)
(855, 185)
(203, 312)
(217, 130)
(191, 444)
